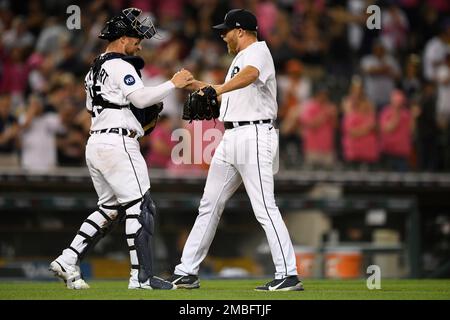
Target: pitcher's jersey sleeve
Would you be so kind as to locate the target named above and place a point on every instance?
(259, 57)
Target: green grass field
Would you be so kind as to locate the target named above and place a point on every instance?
(232, 290)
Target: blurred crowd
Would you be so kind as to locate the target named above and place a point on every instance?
(349, 97)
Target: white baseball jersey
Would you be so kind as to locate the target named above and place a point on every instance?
(117, 168)
(116, 79)
(257, 101)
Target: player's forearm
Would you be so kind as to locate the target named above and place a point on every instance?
(245, 77)
(148, 96)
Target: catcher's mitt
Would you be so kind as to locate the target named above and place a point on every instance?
(201, 105)
(148, 116)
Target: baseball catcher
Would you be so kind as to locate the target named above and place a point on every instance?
(201, 105)
(123, 110)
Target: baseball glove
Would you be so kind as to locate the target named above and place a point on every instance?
(201, 105)
(148, 117)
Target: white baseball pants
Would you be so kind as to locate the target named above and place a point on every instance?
(120, 175)
(245, 154)
(117, 168)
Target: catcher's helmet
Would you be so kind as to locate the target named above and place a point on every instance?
(127, 24)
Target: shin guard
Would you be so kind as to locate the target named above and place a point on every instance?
(140, 228)
(95, 227)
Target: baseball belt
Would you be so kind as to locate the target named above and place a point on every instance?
(121, 131)
(235, 124)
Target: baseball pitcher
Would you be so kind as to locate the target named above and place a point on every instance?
(245, 155)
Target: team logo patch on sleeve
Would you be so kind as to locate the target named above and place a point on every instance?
(129, 80)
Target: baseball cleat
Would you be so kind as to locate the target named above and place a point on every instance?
(70, 274)
(185, 282)
(154, 283)
(290, 283)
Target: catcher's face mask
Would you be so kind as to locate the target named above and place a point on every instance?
(143, 28)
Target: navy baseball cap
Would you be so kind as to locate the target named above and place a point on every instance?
(238, 18)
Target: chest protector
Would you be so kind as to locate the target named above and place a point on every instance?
(147, 117)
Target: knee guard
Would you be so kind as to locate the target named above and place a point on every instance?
(140, 228)
(95, 227)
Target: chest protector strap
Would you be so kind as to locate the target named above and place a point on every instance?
(147, 117)
(97, 99)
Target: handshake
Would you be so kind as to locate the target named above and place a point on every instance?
(202, 104)
(182, 79)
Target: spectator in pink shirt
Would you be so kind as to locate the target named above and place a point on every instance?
(160, 144)
(318, 119)
(396, 127)
(266, 12)
(359, 137)
(14, 78)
